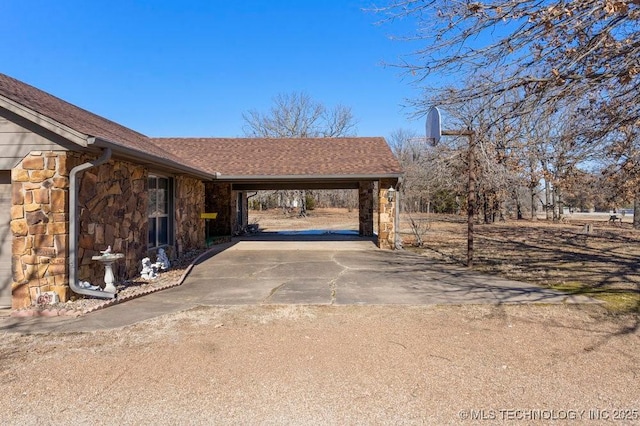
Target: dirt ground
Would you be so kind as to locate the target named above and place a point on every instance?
(278, 220)
(522, 364)
(332, 365)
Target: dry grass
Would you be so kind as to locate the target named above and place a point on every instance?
(603, 264)
(278, 220)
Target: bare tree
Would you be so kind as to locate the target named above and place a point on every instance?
(583, 52)
(622, 174)
(430, 181)
(297, 115)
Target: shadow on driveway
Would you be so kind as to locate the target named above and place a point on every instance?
(324, 271)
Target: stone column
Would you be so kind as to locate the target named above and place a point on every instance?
(365, 208)
(386, 215)
(40, 227)
(239, 204)
(218, 199)
(190, 231)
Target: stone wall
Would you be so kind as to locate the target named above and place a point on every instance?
(189, 203)
(219, 199)
(40, 226)
(386, 215)
(112, 211)
(112, 204)
(365, 203)
(239, 222)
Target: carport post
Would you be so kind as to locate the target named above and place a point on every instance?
(397, 244)
(393, 196)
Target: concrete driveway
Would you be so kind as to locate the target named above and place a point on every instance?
(318, 270)
(347, 272)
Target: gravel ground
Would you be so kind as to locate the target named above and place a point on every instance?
(127, 290)
(332, 365)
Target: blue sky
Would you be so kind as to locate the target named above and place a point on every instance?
(191, 68)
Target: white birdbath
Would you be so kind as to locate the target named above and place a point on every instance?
(107, 260)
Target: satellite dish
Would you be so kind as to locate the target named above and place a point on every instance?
(434, 131)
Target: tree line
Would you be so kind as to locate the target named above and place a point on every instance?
(548, 87)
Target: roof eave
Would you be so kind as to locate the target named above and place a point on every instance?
(151, 159)
(354, 177)
(44, 121)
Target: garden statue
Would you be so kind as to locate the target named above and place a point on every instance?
(149, 270)
(162, 260)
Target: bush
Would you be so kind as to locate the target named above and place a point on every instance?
(310, 202)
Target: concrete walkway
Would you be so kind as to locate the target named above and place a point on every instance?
(318, 271)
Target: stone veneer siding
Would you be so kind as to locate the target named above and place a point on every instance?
(39, 226)
(386, 214)
(189, 203)
(219, 199)
(365, 208)
(112, 210)
(244, 220)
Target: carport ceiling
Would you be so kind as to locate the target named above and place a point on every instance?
(289, 163)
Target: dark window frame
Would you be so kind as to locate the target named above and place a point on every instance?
(160, 211)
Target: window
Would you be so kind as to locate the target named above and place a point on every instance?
(159, 212)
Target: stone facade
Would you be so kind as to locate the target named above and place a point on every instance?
(386, 215)
(112, 211)
(189, 203)
(222, 199)
(218, 199)
(365, 203)
(40, 226)
(240, 219)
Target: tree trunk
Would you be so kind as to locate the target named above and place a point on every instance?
(636, 211)
(485, 208)
(534, 212)
(518, 206)
(547, 200)
(559, 203)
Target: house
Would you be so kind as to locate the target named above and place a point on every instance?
(73, 183)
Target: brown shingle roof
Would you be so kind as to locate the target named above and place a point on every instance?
(239, 157)
(79, 119)
(349, 156)
(65, 113)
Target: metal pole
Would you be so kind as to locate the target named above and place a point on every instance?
(471, 198)
(471, 195)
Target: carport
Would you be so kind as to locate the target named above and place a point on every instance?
(252, 164)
